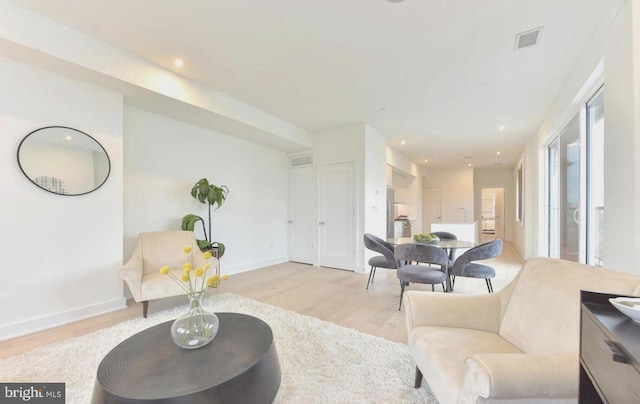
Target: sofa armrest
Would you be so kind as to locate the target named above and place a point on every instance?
(479, 312)
(519, 376)
(131, 273)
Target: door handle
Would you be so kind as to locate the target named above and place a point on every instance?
(289, 221)
(322, 223)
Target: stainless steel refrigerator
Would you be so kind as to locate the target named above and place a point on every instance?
(390, 212)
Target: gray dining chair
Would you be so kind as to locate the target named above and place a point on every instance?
(445, 235)
(426, 254)
(386, 260)
(463, 265)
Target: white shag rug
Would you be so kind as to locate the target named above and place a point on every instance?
(321, 362)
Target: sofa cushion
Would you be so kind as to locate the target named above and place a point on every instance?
(440, 353)
(543, 315)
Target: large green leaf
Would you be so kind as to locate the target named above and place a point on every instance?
(190, 220)
(204, 245)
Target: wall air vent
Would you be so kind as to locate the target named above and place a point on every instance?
(300, 161)
(528, 38)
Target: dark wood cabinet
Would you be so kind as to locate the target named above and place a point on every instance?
(609, 352)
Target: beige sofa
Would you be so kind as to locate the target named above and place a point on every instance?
(520, 344)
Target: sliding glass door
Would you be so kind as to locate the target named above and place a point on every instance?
(576, 186)
(564, 175)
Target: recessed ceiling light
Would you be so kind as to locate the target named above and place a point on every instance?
(402, 142)
(68, 137)
(469, 164)
(498, 153)
(178, 62)
(426, 161)
(501, 127)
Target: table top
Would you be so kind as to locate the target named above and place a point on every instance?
(149, 366)
(442, 243)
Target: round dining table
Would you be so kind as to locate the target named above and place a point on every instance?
(446, 244)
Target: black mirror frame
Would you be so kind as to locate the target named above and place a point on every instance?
(76, 130)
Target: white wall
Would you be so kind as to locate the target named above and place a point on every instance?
(375, 190)
(165, 157)
(457, 192)
(60, 254)
(497, 178)
(612, 43)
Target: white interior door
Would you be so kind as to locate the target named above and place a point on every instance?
(336, 216)
(301, 219)
(431, 207)
(500, 213)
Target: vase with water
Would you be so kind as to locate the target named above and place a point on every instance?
(197, 327)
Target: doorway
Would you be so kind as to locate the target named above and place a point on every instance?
(431, 207)
(492, 215)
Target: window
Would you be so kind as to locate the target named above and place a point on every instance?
(576, 186)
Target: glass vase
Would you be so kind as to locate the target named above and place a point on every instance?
(197, 327)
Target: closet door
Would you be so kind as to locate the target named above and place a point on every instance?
(336, 216)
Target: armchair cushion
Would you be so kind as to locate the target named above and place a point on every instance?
(439, 352)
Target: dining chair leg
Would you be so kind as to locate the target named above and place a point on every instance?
(418, 379)
(489, 285)
(401, 293)
(444, 288)
(145, 308)
(433, 289)
(372, 273)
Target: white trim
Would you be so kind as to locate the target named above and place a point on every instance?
(42, 323)
(254, 265)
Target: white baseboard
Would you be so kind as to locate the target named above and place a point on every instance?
(252, 265)
(55, 320)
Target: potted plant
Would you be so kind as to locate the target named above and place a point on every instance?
(214, 197)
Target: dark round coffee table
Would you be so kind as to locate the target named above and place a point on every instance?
(240, 365)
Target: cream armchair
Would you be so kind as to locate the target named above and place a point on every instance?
(153, 251)
(518, 345)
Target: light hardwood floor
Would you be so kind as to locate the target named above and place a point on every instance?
(329, 294)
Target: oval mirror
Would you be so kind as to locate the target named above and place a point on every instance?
(63, 160)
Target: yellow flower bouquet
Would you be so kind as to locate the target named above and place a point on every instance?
(197, 327)
(195, 280)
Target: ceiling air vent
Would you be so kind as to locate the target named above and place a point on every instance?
(300, 161)
(528, 38)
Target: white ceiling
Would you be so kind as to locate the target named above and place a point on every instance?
(442, 75)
